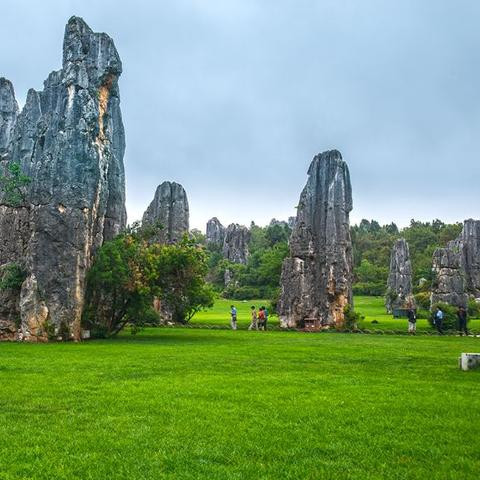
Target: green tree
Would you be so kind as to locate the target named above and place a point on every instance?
(181, 270)
(13, 184)
(120, 286)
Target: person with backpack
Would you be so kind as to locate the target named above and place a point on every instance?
(438, 318)
(233, 315)
(412, 321)
(265, 312)
(253, 324)
(261, 318)
(462, 320)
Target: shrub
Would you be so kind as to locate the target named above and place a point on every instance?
(241, 293)
(422, 300)
(351, 318)
(449, 315)
(376, 289)
(473, 308)
(12, 277)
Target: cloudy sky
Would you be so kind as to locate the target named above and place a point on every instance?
(233, 98)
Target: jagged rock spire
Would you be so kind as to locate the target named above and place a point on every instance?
(69, 140)
(399, 283)
(169, 208)
(317, 276)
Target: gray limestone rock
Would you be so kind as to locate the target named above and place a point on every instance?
(399, 283)
(69, 140)
(456, 268)
(470, 240)
(168, 209)
(235, 245)
(316, 280)
(8, 114)
(448, 285)
(215, 232)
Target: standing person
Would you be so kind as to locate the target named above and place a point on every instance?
(412, 321)
(233, 319)
(261, 318)
(265, 312)
(462, 320)
(439, 320)
(253, 324)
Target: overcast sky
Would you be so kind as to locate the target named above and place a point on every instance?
(233, 98)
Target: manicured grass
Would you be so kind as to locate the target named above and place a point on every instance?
(372, 308)
(211, 404)
(219, 314)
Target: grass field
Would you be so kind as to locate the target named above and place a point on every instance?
(371, 307)
(217, 404)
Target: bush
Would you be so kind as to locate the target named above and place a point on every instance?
(422, 300)
(473, 308)
(449, 315)
(241, 293)
(12, 277)
(351, 318)
(375, 289)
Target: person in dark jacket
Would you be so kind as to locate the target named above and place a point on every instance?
(462, 320)
(412, 321)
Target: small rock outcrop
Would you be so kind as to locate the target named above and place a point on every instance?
(399, 283)
(235, 245)
(215, 232)
(291, 222)
(69, 140)
(169, 209)
(316, 280)
(448, 285)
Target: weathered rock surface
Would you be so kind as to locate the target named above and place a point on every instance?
(448, 284)
(291, 222)
(169, 208)
(456, 268)
(215, 232)
(8, 114)
(235, 245)
(69, 140)
(470, 240)
(316, 280)
(399, 283)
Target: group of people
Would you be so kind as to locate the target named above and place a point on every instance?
(438, 317)
(258, 319)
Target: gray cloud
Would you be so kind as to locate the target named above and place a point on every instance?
(233, 98)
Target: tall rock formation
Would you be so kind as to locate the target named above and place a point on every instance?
(69, 140)
(316, 280)
(470, 241)
(235, 245)
(399, 284)
(448, 283)
(456, 268)
(215, 232)
(169, 208)
(8, 114)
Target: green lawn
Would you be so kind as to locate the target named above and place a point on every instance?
(217, 404)
(371, 307)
